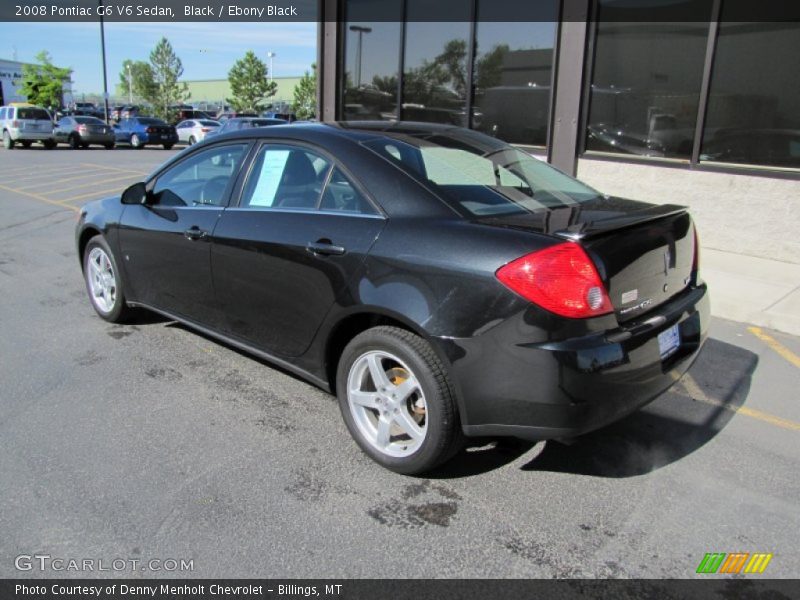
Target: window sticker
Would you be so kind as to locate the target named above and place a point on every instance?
(269, 178)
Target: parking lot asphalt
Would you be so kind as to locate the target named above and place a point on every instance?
(148, 441)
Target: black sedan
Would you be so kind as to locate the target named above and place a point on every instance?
(440, 282)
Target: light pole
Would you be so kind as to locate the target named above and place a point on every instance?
(103, 48)
(130, 85)
(270, 56)
(361, 31)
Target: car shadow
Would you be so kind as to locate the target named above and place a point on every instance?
(673, 426)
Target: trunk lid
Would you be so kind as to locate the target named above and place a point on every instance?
(644, 253)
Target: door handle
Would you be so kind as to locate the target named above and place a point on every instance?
(324, 247)
(195, 233)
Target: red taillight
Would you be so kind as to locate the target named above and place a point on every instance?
(151, 130)
(561, 279)
(205, 129)
(81, 127)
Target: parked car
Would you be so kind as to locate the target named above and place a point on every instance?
(224, 116)
(239, 123)
(441, 282)
(81, 131)
(129, 112)
(193, 131)
(285, 116)
(143, 131)
(186, 114)
(24, 124)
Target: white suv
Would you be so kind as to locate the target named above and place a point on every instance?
(26, 124)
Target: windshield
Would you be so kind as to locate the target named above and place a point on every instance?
(483, 179)
(92, 120)
(38, 114)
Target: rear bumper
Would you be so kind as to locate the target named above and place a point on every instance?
(98, 138)
(19, 135)
(154, 138)
(546, 390)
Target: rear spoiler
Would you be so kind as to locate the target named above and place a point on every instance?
(589, 229)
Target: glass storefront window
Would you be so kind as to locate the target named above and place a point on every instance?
(371, 61)
(753, 114)
(513, 70)
(435, 65)
(646, 80)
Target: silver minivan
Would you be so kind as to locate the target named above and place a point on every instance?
(25, 124)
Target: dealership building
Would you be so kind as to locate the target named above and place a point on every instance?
(11, 82)
(670, 102)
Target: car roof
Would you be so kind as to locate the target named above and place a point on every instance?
(411, 132)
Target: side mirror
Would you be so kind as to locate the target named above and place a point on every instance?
(135, 194)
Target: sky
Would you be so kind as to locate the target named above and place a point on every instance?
(207, 50)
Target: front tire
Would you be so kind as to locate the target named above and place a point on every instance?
(74, 141)
(136, 143)
(397, 400)
(8, 143)
(104, 281)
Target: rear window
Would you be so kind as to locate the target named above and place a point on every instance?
(482, 179)
(209, 123)
(38, 114)
(92, 120)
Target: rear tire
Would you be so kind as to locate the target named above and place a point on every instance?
(8, 143)
(192, 141)
(397, 400)
(104, 281)
(26, 144)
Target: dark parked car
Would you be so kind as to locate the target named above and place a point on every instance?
(80, 132)
(239, 123)
(439, 281)
(142, 131)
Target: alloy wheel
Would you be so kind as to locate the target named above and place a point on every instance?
(102, 280)
(387, 403)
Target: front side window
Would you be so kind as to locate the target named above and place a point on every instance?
(286, 177)
(202, 180)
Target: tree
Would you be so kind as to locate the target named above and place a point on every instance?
(43, 84)
(142, 82)
(167, 69)
(305, 95)
(249, 84)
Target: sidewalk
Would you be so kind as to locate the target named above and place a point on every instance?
(753, 290)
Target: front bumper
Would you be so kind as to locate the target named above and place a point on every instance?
(551, 389)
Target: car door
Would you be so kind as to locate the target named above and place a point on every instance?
(287, 251)
(165, 242)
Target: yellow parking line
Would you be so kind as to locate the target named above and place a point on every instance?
(95, 194)
(776, 346)
(87, 183)
(40, 198)
(58, 180)
(114, 168)
(39, 173)
(694, 390)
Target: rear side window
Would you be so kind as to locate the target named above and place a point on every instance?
(37, 114)
(341, 195)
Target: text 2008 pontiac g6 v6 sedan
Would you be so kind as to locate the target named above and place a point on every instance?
(439, 281)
